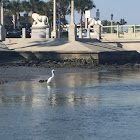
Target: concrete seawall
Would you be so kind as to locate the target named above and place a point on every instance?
(83, 52)
(120, 57)
(10, 56)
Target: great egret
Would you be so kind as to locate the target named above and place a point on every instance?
(50, 79)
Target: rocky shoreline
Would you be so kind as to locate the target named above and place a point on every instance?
(69, 63)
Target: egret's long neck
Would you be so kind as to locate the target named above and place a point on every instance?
(52, 73)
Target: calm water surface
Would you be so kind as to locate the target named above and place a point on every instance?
(78, 105)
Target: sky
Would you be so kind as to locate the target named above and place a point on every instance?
(128, 10)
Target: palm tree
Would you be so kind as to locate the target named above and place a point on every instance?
(35, 6)
(7, 15)
(61, 10)
(63, 6)
(82, 5)
(26, 6)
(26, 19)
(122, 22)
(32, 6)
(15, 8)
(106, 23)
(48, 10)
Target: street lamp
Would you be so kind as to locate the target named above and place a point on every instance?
(1, 12)
(111, 23)
(97, 15)
(111, 16)
(72, 28)
(72, 11)
(54, 20)
(58, 21)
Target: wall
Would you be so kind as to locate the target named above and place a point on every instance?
(131, 45)
(76, 59)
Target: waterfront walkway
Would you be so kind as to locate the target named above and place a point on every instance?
(16, 49)
(58, 45)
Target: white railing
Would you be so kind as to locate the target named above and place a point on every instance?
(122, 30)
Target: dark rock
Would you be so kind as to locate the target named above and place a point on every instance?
(3, 82)
(137, 66)
(42, 81)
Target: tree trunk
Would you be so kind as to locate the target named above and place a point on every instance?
(14, 21)
(81, 17)
(18, 20)
(31, 12)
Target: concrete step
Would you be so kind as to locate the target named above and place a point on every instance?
(3, 47)
(99, 46)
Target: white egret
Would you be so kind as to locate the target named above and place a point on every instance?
(51, 78)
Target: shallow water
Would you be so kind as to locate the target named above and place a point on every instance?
(80, 104)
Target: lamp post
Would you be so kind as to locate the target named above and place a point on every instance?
(51, 14)
(2, 29)
(1, 12)
(72, 28)
(97, 15)
(111, 23)
(53, 34)
(58, 30)
(72, 11)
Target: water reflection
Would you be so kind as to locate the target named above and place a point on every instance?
(65, 90)
(76, 79)
(79, 105)
(70, 89)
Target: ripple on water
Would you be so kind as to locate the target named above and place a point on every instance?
(77, 105)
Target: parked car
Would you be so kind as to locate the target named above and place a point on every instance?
(64, 34)
(18, 34)
(84, 32)
(14, 34)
